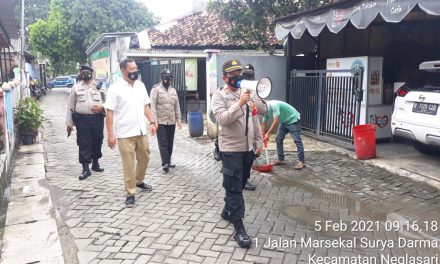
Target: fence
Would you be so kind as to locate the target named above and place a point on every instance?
(329, 101)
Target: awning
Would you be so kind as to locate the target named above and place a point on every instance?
(8, 24)
(359, 12)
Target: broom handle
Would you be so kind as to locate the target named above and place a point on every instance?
(267, 157)
(265, 148)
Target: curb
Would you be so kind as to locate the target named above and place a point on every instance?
(31, 234)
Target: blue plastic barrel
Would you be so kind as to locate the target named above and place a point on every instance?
(195, 123)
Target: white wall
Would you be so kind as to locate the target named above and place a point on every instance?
(273, 67)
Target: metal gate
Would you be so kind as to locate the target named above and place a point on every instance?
(150, 76)
(329, 101)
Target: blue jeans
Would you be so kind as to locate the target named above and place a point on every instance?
(295, 131)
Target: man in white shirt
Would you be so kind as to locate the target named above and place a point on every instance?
(127, 109)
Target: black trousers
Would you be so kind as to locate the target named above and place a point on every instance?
(89, 136)
(236, 169)
(165, 138)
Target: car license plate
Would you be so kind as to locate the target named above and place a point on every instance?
(425, 108)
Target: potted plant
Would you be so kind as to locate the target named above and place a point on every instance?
(29, 118)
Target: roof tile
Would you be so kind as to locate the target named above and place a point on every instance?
(199, 29)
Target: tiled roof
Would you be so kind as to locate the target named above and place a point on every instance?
(200, 29)
(162, 52)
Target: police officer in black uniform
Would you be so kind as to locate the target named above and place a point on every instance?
(86, 112)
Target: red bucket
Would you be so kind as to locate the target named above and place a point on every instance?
(365, 141)
(263, 168)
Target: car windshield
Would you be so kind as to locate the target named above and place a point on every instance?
(425, 80)
(61, 79)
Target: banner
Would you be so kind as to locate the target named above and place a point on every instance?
(100, 63)
(191, 74)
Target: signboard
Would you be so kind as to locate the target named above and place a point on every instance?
(191, 74)
(100, 63)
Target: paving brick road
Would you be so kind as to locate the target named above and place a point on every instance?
(179, 221)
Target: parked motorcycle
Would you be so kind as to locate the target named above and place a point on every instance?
(36, 92)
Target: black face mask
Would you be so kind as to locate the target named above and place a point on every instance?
(233, 81)
(133, 75)
(86, 76)
(166, 82)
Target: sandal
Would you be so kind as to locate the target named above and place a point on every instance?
(279, 162)
(300, 165)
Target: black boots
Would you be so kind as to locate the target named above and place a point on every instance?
(96, 167)
(240, 235)
(166, 167)
(249, 186)
(217, 154)
(85, 172)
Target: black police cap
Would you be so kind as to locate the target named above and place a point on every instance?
(250, 67)
(165, 72)
(248, 74)
(86, 67)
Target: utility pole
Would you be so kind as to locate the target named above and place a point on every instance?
(22, 61)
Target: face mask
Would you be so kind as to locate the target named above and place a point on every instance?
(166, 83)
(133, 75)
(86, 76)
(233, 81)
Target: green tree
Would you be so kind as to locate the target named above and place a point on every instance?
(73, 25)
(33, 10)
(251, 20)
(87, 19)
(49, 38)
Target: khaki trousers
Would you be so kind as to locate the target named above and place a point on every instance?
(129, 148)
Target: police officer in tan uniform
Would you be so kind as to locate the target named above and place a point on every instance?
(86, 112)
(239, 138)
(166, 111)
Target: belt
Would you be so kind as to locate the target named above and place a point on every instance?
(90, 116)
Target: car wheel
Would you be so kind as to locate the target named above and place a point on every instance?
(70, 86)
(425, 149)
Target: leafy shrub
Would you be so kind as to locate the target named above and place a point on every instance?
(28, 116)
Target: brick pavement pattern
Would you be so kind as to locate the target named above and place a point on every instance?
(179, 221)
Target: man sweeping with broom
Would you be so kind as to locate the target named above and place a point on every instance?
(289, 120)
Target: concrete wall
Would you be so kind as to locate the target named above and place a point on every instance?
(273, 67)
(7, 103)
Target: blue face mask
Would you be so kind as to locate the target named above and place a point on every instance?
(233, 81)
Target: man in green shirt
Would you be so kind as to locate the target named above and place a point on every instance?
(289, 120)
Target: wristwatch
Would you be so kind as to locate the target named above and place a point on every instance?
(152, 123)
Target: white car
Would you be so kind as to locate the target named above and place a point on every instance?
(416, 113)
